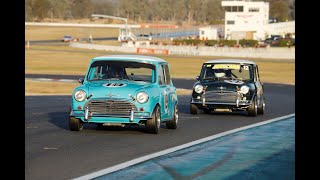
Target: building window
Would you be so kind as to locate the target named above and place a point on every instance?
(202, 32)
(230, 22)
(253, 9)
(234, 9)
(227, 8)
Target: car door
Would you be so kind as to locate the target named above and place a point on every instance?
(163, 92)
(258, 85)
(170, 89)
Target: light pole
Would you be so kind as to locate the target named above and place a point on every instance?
(114, 17)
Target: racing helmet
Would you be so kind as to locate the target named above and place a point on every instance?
(219, 73)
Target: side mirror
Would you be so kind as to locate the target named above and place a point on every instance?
(81, 80)
(198, 78)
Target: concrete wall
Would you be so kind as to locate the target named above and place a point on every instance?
(270, 53)
(103, 47)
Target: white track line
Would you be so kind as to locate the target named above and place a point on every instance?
(170, 150)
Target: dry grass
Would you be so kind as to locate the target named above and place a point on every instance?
(184, 92)
(111, 43)
(54, 33)
(41, 61)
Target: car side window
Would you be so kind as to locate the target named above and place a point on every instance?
(161, 75)
(167, 74)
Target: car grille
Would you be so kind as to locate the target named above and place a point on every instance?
(111, 107)
(227, 97)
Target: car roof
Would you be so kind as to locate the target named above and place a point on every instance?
(131, 58)
(241, 61)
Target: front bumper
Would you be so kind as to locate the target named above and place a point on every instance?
(133, 118)
(203, 104)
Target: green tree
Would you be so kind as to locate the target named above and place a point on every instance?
(215, 13)
(41, 8)
(82, 8)
(280, 10)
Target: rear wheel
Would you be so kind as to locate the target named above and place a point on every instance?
(75, 124)
(153, 125)
(173, 124)
(207, 111)
(194, 109)
(262, 107)
(253, 108)
(100, 125)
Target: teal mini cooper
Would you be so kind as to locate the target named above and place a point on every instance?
(125, 89)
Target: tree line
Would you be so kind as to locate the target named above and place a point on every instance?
(145, 11)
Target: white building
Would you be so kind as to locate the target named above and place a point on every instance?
(245, 19)
(210, 33)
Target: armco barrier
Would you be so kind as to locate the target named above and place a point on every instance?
(270, 53)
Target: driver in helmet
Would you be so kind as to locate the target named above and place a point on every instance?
(219, 73)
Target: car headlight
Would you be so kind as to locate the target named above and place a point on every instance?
(198, 88)
(80, 95)
(244, 89)
(142, 97)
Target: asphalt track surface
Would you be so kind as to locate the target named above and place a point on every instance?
(54, 152)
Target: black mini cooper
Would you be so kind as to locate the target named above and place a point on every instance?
(228, 85)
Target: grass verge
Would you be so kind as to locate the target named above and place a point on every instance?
(71, 61)
(54, 33)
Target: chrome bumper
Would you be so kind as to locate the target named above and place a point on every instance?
(204, 103)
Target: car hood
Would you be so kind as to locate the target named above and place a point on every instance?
(115, 89)
(226, 85)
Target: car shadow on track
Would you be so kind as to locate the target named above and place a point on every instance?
(184, 108)
(61, 120)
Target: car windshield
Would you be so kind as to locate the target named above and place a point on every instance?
(121, 70)
(217, 72)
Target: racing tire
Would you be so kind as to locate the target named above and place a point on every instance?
(153, 125)
(194, 109)
(253, 108)
(207, 111)
(173, 123)
(262, 107)
(75, 124)
(100, 126)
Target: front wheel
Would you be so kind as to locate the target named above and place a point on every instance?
(253, 108)
(75, 124)
(262, 107)
(194, 109)
(153, 125)
(173, 124)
